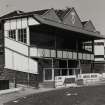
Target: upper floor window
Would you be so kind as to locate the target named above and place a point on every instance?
(22, 35)
(87, 46)
(12, 34)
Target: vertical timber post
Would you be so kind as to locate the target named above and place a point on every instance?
(67, 67)
(28, 77)
(53, 75)
(92, 62)
(52, 70)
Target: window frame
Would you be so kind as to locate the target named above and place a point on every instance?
(22, 35)
(12, 34)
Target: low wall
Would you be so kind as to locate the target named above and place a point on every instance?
(20, 77)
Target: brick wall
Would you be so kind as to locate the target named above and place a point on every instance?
(20, 77)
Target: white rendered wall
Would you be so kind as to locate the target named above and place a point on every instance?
(16, 53)
(20, 62)
(16, 46)
(21, 23)
(99, 50)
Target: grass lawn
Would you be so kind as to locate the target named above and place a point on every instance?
(92, 95)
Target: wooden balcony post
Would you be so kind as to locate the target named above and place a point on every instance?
(67, 67)
(53, 77)
(92, 46)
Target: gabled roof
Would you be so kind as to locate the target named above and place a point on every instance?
(88, 25)
(42, 20)
(57, 18)
(84, 22)
(72, 18)
(11, 14)
(51, 15)
(39, 12)
(62, 13)
(18, 13)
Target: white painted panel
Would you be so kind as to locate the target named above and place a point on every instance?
(40, 52)
(74, 55)
(59, 54)
(84, 56)
(92, 57)
(6, 33)
(33, 66)
(7, 25)
(19, 62)
(53, 53)
(47, 53)
(8, 59)
(99, 40)
(24, 22)
(70, 55)
(13, 24)
(16, 46)
(79, 55)
(33, 51)
(99, 50)
(19, 23)
(32, 21)
(99, 59)
(65, 54)
(28, 36)
(88, 57)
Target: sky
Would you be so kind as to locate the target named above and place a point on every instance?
(86, 9)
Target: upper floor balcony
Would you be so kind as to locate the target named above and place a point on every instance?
(60, 54)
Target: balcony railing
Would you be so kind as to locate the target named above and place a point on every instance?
(51, 53)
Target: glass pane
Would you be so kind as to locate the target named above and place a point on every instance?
(64, 72)
(48, 74)
(70, 71)
(57, 72)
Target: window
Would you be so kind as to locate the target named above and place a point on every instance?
(12, 34)
(22, 35)
(87, 46)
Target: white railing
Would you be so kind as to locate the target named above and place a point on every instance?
(81, 79)
(90, 78)
(39, 52)
(62, 81)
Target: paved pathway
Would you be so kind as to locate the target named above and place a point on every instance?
(27, 91)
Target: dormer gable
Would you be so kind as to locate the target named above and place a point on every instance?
(72, 18)
(11, 14)
(88, 25)
(51, 15)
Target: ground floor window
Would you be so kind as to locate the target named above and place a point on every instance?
(48, 74)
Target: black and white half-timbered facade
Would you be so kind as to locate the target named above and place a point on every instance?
(39, 45)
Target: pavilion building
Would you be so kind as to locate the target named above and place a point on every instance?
(37, 46)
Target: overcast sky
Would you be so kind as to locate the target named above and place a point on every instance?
(86, 9)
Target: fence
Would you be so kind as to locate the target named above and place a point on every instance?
(62, 81)
(81, 79)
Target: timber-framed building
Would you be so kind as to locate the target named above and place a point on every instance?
(39, 45)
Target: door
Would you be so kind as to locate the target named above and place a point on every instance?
(47, 74)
